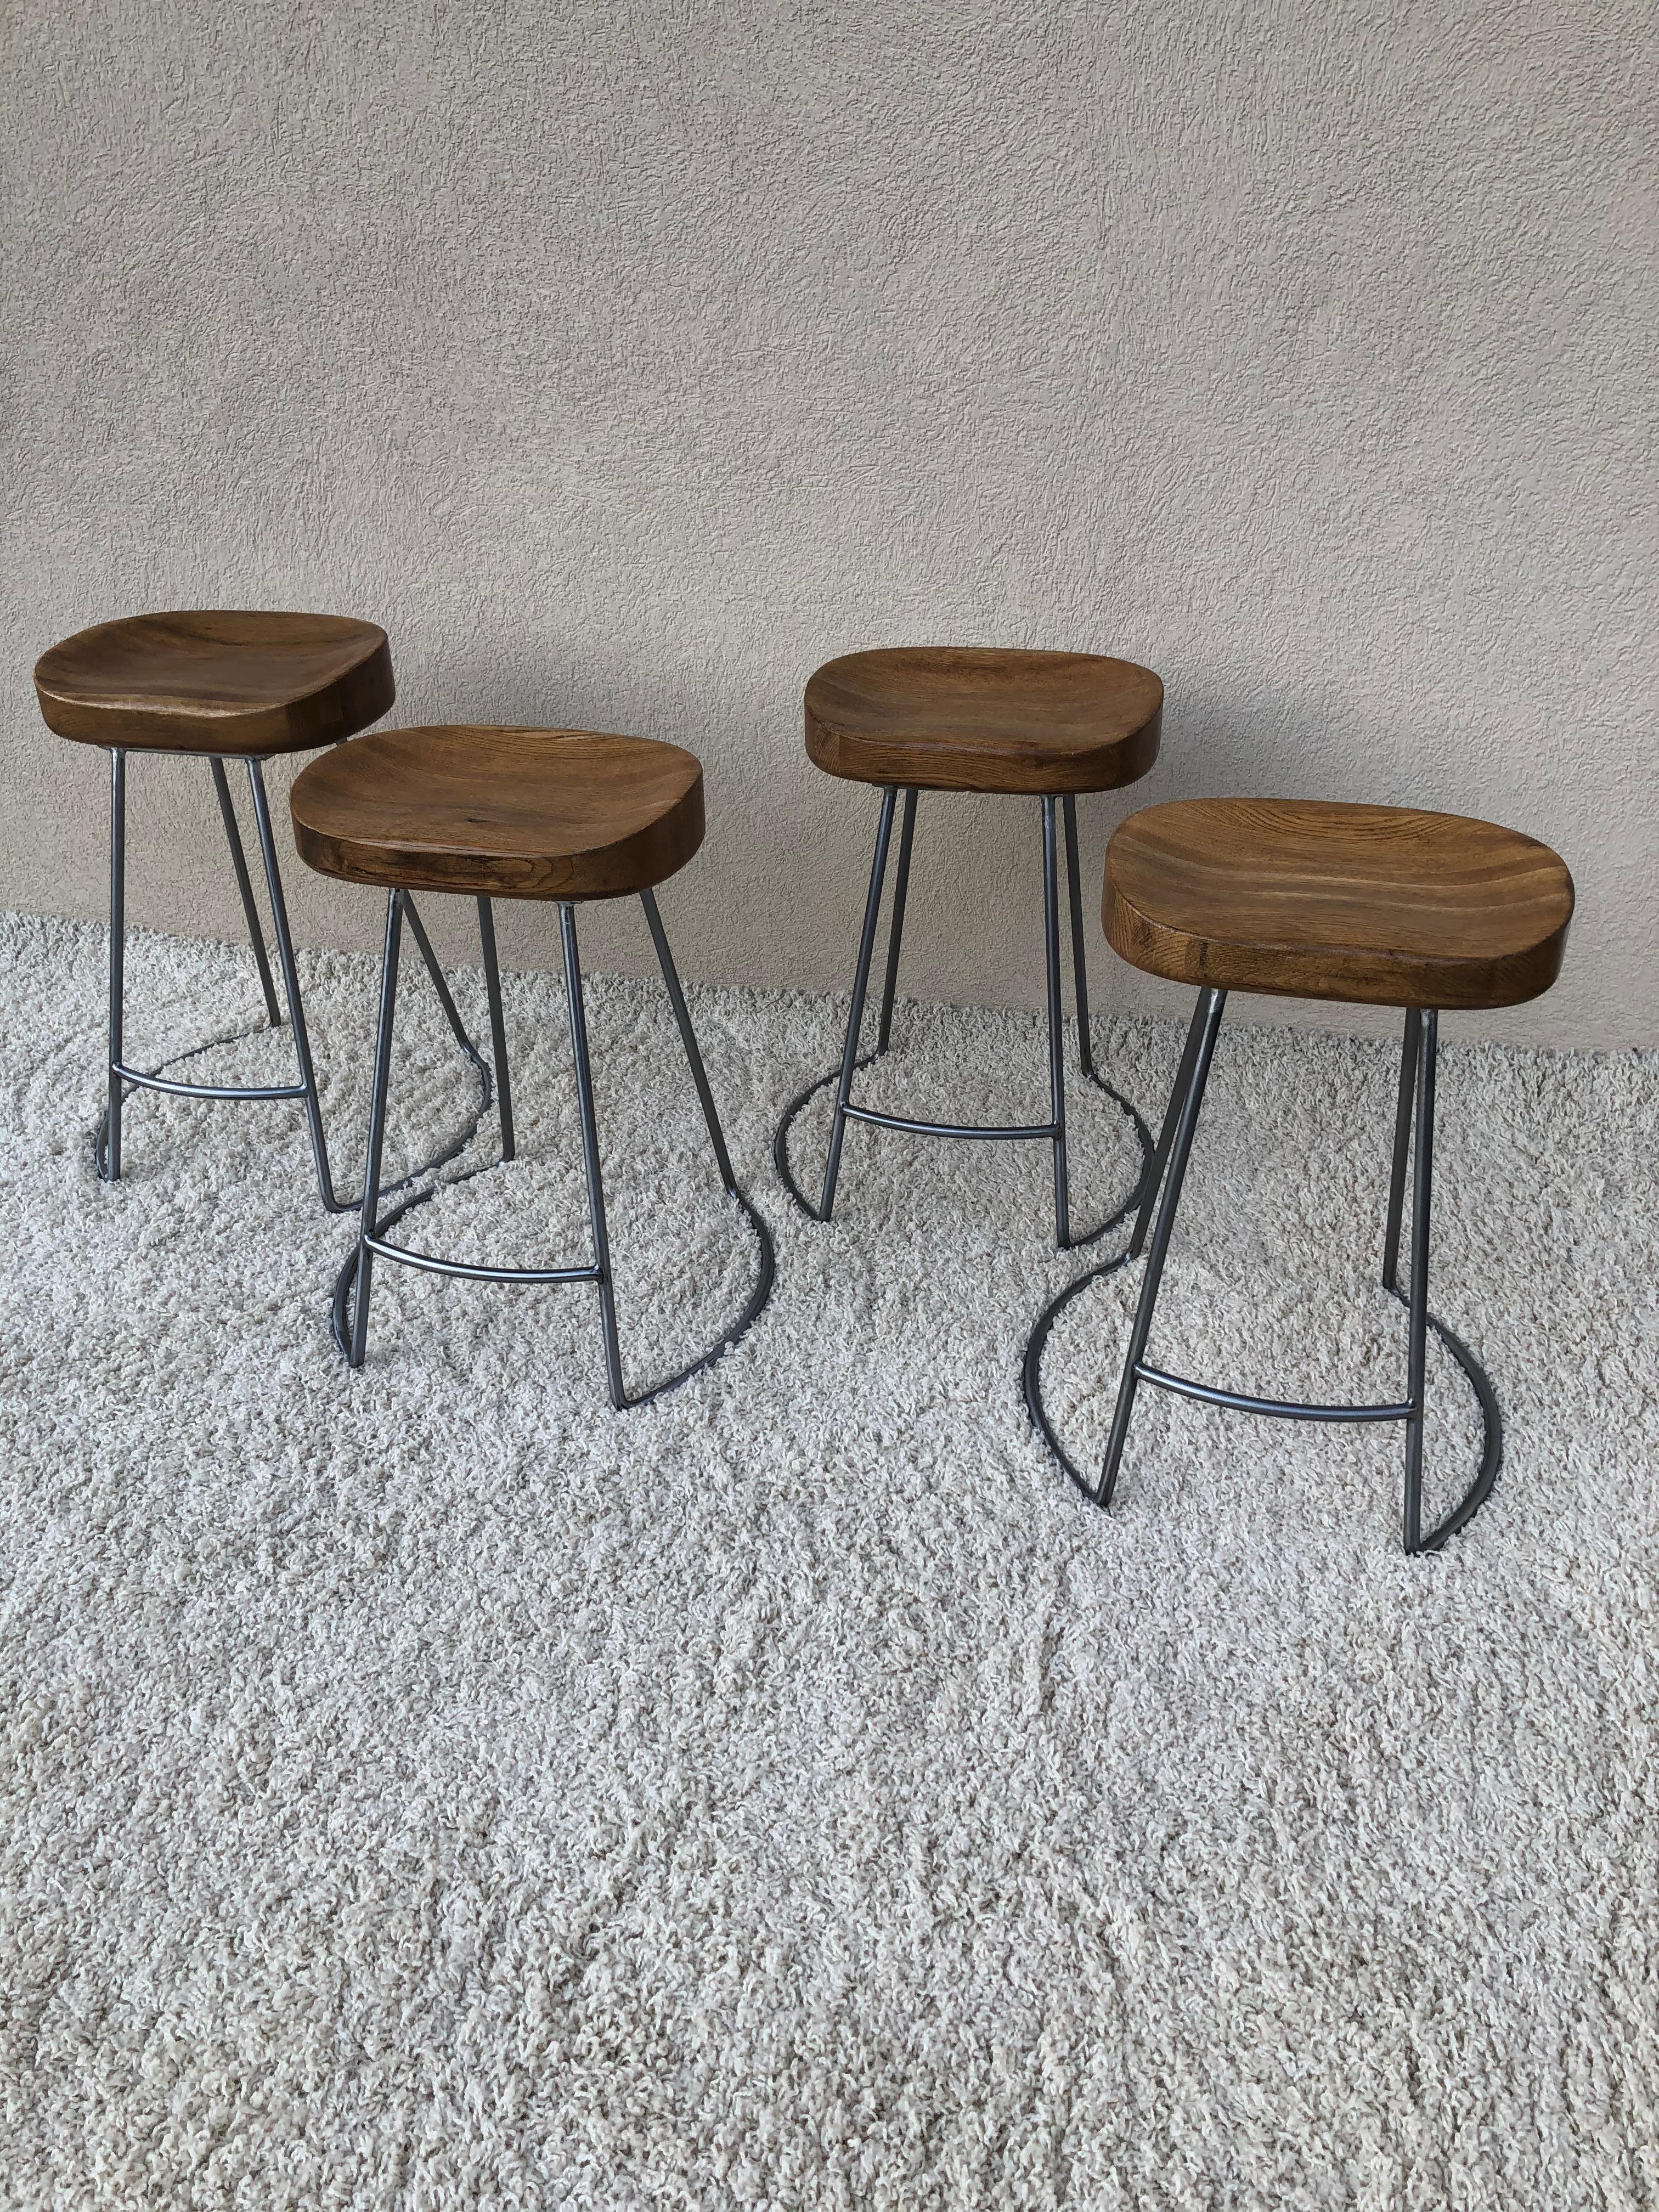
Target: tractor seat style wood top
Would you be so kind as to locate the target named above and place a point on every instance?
(216, 681)
(983, 718)
(502, 813)
(1308, 899)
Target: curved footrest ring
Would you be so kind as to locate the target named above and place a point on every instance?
(1461, 1515)
(1013, 1134)
(344, 1282)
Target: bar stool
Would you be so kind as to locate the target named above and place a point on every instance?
(220, 684)
(566, 816)
(975, 718)
(1305, 899)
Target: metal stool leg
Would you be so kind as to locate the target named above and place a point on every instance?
(689, 1038)
(1056, 1024)
(861, 989)
(497, 1023)
(895, 926)
(1160, 1157)
(1402, 1145)
(109, 1165)
(296, 1013)
(244, 884)
(1427, 1024)
(1080, 958)
(368, 1227)
(1210, 1009)
(572, 984)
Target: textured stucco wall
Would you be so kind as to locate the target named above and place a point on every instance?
(626, 361)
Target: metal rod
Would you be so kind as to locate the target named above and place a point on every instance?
(861, 988)
(1159, 1160)
(895, 926)
(497, 1023)
(671, 976)
(1422, 1184)
(394, 924)
(1056, 1022)
(1046, 1130)
(245, 885)
(1285, 1409)
(1402, 1142)
(1080, 958)
(572, 984)
(142, 1080)
(109, 1165)
(432, 1264)
(451, 1014)
(1211, 1003)
(296, 1013)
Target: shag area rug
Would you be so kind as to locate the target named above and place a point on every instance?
(426, 1788)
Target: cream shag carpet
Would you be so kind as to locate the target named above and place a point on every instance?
(426, 1788)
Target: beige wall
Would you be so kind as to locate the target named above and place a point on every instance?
(626, 360)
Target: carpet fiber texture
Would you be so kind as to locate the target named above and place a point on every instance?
(426, 1788)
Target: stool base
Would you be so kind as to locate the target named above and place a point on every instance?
(354, 1282)
(1413, 1147)
(1053, 1131)
(124, 1079)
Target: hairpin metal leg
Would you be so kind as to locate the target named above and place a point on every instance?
(573, 985)
(1056, 1024)
(861, 989)
(369, 1224)
(1159, 1160)
(896, 925)
(1080, 958)
(671, 977)
(1417, 1302)
(244, 884)
(452, 1013)
(497, 1023)
(109, 1165)
(1402, 1145)
(1209, 1007)
(296, 1013)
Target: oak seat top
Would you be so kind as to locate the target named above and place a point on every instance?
(984, 718)
(216, 680)
(500, 813)
(1314, 899)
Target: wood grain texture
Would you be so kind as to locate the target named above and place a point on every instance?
(217, 681)
(511, 813)
(1311, 899)
(983, 718)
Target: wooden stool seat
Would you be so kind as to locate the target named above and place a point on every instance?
(216, 682)
(1312, 899)
(502, 813)
(980, 718)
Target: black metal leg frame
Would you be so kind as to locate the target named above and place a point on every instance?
(123, 1080)
(1053, 1131)
(351, 1312)
(1414, 1147)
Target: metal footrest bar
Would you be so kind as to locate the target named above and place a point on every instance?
(143, 1079)
(1284, 1409)
(1051, 1131)
(1014, 1131)
(469, 1272)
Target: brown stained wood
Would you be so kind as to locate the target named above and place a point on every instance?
(1312, 899)
(984, 718)
(217, 681)
(508, 813)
